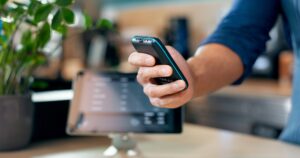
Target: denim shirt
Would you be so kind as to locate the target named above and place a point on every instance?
(245, 30)
(291, 10)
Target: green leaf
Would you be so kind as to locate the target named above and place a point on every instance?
(43, 35)
(4, 12)
(64, 3)
(28, 49)
(2, 56)
(20, 4)
(42, 13)
(3, 40)
(62, 29)
(26, 38)
(88, 22)
(68, 15)
(8, 28)
(39, 85)
(8, 70)
(31, 22)
(105, 24)
(57, 23)
(57, 20)
(3, 2)
(17, 12)
(34, 60)
(28, 61)
(33, 6)
(40, 59)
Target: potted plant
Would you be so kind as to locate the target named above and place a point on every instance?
(25, 29)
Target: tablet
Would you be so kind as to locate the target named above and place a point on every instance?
(113, 102)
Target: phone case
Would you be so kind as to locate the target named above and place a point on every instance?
(153, 46)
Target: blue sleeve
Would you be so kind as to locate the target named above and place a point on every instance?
(245, 30)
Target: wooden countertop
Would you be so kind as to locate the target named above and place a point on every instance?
(194, 142)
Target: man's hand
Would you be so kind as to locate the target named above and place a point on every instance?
(168, 95)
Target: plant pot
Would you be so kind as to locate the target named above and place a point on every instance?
(16, 119)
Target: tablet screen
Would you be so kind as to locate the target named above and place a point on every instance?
(112, 102)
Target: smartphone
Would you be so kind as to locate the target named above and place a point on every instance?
(154, 47)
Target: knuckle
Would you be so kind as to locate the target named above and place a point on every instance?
(139, 78)
(145, 89)
(146, 73)
(142, 73)
(164, 70)
(153, 101)
(149, 91)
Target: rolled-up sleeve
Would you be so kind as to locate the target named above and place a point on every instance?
(245, 30)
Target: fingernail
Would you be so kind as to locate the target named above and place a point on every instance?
(175, 85)
(179, 85)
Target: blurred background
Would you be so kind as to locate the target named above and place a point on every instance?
(259, 107)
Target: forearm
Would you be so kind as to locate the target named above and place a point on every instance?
(213, 67)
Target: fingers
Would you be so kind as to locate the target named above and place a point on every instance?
(166, 103)
(146, 73)
(168, 95)
(171, 101)
(141, 59)
(157, 91)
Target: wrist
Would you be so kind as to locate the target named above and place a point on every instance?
(192, 64)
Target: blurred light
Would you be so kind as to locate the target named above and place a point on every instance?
(50, 96)
(110, 13)
(262, 63)
(44, 1)
(288, 105)
(7, 19)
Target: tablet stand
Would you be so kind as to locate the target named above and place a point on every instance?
(123, 146)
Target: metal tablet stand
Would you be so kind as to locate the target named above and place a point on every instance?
(123, 146)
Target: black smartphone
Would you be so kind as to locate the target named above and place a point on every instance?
(153, 46)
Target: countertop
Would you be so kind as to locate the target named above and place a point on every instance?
(194, 142)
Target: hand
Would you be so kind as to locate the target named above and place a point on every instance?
(168, 95)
